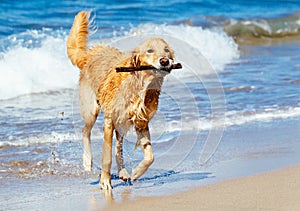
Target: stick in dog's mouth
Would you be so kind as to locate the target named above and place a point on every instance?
(140, 68)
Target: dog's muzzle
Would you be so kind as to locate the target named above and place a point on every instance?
(164, 62)
(167, 66)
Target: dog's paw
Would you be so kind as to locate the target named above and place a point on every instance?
(123, 175)
(105, 185)
(135, 174)
(138, 171)
(105, 182)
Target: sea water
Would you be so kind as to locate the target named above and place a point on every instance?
(241, 66)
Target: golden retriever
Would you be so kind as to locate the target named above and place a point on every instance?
(127, 98)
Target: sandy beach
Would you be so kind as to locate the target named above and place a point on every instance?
(275, 190)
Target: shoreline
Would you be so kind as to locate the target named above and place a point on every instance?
(225, 183)
(274, 190)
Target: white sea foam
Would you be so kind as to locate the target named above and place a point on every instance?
(36, 69)
(164, 131)
(38, 139)
(232, 118)
(217, 47)
(239, 118)
(46, 67)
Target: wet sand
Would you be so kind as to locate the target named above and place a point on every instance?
(224, 183)
(275, 190)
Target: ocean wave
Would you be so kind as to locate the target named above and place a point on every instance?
(230, 118)
(266, 115)
(170, 130)
(36, 61)
(282, 27)
(36, 139)
(173, 129)
(207, 41)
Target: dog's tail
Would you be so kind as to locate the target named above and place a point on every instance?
(77, 40)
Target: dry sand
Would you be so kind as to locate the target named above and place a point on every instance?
(276, 190)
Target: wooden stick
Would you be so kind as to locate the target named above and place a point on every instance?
(131, 69)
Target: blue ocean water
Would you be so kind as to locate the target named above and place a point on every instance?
(19, 16)
(241, 66)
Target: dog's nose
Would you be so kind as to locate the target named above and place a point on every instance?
(164, 61)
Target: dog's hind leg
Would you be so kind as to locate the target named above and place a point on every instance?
(87, 158)
(89, 111)
(123, 174)
(105, 180)
(143, 137)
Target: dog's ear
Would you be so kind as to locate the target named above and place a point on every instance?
(130, 62)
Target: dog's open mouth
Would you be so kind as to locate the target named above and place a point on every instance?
(140, 68)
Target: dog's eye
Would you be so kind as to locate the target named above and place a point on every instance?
(150, 51)
(167, 50)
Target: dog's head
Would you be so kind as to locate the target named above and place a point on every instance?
(153, 52)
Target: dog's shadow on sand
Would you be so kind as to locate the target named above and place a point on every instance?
(159, 179)
(156, 180)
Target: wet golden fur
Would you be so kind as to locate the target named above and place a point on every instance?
(126, 98)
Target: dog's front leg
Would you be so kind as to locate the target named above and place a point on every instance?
(123, 174)
(105, 180)
(143, 137)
